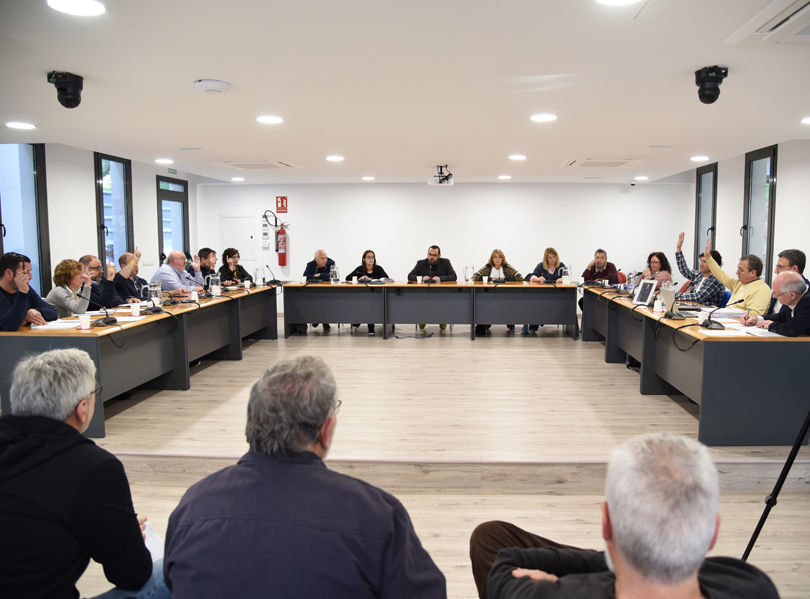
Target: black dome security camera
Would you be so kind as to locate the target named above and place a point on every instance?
(708, 80)
(68, 88)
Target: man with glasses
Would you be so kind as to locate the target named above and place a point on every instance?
(748, 288)
(793, 318)
(281, 524)
(19, 303)
(102, 289)
(63, 499)
(173, 275)
(793, 260)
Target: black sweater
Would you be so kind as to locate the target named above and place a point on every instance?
(360, 271)
(63, 500)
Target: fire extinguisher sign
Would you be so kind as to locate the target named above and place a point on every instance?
(281, 204)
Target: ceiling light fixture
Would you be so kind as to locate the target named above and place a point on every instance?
(270, 120)
(642, 178)
(617, 2)
(504, 177)
(368, 178)
(517, 157)
(335, 158)
(806, 121)
(164, 161)
(212, 86)
(237, 179)
(699, 158)
(544, 118)
(19, 125)
(80, 8)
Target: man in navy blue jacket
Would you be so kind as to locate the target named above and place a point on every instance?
(793, 319)
(281, 524)
(320, 267)
(19, 303)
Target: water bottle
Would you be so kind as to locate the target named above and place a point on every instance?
(333, 275)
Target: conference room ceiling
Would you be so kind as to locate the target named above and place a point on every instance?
(399, 87)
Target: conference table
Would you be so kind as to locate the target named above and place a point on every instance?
(747, 386)
(449, 302)
(153, 352)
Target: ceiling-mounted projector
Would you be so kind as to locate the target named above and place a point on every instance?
(442, 177)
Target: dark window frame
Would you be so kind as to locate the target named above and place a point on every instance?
(700, 236)
(174, 196)
(767, 152)
(100, 227)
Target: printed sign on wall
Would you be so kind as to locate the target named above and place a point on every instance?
(281, 204)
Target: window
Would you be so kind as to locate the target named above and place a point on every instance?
(113, 207)
(172, 197)
(758, 209)
(706, 209)
(24, 208)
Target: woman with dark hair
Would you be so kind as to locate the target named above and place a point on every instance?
(658, 268)
(72, 292)
(368, 270)
(231, 271)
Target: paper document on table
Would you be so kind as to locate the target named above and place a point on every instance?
(729, 313)
(129, 318)
(57, 324)
(722, 333)
(153, 542)
(757, 332)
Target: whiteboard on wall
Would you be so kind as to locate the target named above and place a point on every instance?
(238, 231)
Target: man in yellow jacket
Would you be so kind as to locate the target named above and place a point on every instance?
(748, 286)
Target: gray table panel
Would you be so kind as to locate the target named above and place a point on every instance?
(258, 315)
(324, 303)
(418, 304)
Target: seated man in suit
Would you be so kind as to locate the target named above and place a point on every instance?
(433, 269)
(127, 283)
(793, 260)
(102, 289)
(19, 303)
(280, 523)
(63, 499)
(704, 287)
(319, 268)
(659, 519)
(208, 265)
(793, 319)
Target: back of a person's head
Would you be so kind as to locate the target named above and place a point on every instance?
(288, 405)
(662, 494)
(52, 383)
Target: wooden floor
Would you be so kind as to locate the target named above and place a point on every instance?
(504, 427)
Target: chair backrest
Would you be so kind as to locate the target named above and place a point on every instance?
(726, 297)
(685, 285)
(621, 277)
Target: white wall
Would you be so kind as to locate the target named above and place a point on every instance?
(399, 222)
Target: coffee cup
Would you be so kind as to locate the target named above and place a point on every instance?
(84, 321)
(485, 280)
(136, 309)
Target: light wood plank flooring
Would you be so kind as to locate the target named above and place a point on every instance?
(505, 427)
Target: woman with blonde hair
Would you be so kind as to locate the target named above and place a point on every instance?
(548, 271)
(72, 292)
(497, 269)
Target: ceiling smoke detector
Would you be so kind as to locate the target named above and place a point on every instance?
(212, 86)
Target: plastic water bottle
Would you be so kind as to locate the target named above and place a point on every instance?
(333, 275)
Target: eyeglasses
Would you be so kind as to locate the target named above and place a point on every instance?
(97, 389)
(94, 267)
(778, 295)
(337, 407)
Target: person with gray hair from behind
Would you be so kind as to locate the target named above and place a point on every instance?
(280, 523)
(659, 519)
(63, 499)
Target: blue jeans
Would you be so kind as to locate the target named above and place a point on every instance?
(530, 327)
(154, 588)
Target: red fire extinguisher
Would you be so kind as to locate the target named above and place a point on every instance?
(281, 246)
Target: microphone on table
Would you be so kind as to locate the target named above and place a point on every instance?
(274, 280)
(713, 325)
(107, 321)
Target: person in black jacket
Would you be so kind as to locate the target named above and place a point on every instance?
(231, 271)
(63, 499)
(434, 267)
(659, 519)
(793, 319)
(102, 290)
(368, 270)
(19, 303)
(550, 269)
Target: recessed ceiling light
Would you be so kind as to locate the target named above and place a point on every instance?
(617, 2)
(237, 179)
(18, 125)
(368, 178)
(270, 120)
(660, 147)
(517, 157)
(504, 177)
(544, 118)
(212, 86)
(335, 158)
(699, 158)
(164, 161)
(806, 121)
(81, 8)
(642, 178)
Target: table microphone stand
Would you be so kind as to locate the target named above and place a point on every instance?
(770, 500)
